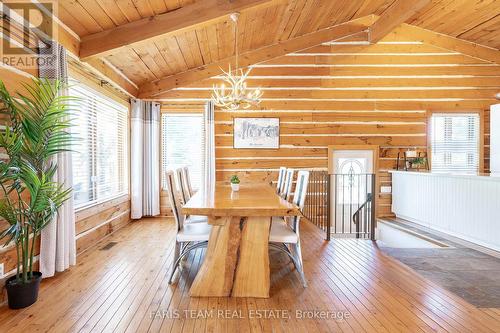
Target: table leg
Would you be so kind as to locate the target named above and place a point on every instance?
(252, 277)
(215, 277)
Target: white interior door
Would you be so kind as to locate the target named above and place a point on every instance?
(353, 161)
(352, 182)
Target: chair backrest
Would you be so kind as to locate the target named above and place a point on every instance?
(181, 186)
(287, 186)
(281, 179)
(187, 181)
(174, 200)
(299, 197)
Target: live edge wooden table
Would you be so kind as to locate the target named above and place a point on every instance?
(236, 262)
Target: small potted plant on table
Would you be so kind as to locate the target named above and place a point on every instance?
(235, 183)
(37, 130)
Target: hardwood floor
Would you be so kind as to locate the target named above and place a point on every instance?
(125, 289)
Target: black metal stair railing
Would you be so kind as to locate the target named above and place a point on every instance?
(316, 208)
(362, 219)
(342, 205)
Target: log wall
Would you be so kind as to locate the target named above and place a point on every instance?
(348, 93)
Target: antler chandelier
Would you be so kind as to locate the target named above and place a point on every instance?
(236, 95)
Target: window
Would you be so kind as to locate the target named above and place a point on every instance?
(183, 144)
(455, 142)
(100, 161)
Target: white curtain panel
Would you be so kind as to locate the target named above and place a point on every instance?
(209, 165)
(145, 159)
(58, 244)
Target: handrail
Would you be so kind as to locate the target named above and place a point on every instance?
(333, 198)
(369, 198)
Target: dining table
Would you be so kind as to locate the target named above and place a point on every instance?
(236, 261)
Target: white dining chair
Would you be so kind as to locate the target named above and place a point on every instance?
(285, 235)
(187, 181)
(286, 188)
(181, 185)
(281, 179)
(190, 236)
(182, 180)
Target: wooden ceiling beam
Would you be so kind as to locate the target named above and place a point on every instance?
(107, 71)
(153, 90)
(414, 33)
(199, 13)
(399, 12)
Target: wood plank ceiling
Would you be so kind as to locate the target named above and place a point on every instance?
(258, 27)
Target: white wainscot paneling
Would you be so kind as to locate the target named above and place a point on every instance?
(464, 206)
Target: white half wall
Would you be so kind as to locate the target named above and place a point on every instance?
(463, 206)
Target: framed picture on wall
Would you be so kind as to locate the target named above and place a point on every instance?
(256, 133)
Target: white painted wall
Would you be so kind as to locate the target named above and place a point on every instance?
(463, 206)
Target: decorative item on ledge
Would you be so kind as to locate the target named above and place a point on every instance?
(235, 183)
(412, 160)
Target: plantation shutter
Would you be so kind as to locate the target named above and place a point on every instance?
(455, 142)
(100, 159)
(182, 144)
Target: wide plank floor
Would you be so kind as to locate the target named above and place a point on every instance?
(353, 287)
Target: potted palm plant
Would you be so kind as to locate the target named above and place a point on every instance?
(235, 183)
(36, 130)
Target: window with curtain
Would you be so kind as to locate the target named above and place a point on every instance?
(100, 160)
(182, 142)
(455, 142)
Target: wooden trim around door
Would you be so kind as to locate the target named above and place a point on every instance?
(376, 155)
(374, 148)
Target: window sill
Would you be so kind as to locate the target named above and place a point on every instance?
(99, 202)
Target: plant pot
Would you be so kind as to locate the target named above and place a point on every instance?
(22, 295)
(235, 187)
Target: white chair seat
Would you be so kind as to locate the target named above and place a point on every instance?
(281, 232)
(196, 219)
(194, 232)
